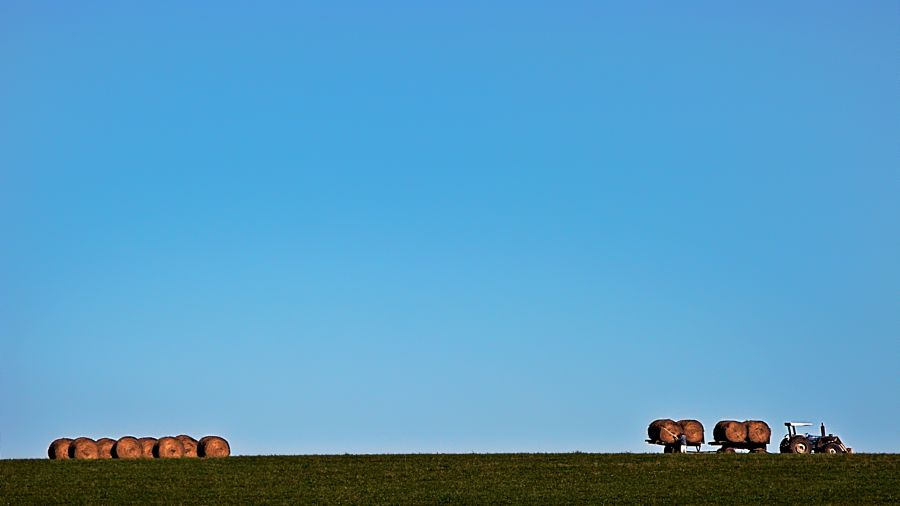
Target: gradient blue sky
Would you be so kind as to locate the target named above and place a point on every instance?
(446, 227)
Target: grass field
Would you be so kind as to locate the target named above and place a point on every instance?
(576, 478)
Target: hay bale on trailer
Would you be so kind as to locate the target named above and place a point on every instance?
(59, 449)
(693, 431)
(83, 448)
(127, 447)
(730, 431)
(105, 446)
(758, 431)
(214, 447)
(664, 430)
(189, 444)
(147, 444)
(168, 448)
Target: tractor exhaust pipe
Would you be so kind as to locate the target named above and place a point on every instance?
(823, 429)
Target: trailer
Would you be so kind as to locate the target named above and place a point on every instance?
(673, 447)
(729, 447)
(675, 437)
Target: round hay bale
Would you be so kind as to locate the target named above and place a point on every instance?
(147, 444)
(127, 447)
(105, 446)
(730, 431)
(59, 449)
(83, 448)
(758, 431)
(168, 448)
(692, 430)
(214, 447)
(189, 444)
(664, 430)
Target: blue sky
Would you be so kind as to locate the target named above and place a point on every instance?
(426, 227)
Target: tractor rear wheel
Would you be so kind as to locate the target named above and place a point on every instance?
(832, 448)
(799, 444)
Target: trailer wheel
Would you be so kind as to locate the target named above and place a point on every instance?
(784, 446)
(799, 444)
(832, 448)
(725, 449)
(758, 450)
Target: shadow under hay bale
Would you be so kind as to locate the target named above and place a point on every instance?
(168, 448)
(147, 444)
(214, 447)
(59, 449)
(189, 444)
(83, 448)
(693, 431)
(758, 431)
(664, 430)
(127, 447)
(104, 447)
(731, 431)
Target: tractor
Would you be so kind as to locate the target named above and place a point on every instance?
(809, 443)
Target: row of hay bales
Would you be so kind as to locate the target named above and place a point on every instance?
(748, 431)
(129, 447)
(668, 431)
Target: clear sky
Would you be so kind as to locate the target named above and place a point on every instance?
(327, 227)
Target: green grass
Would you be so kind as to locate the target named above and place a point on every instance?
(578, 478)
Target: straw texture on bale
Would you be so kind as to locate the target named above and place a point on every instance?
(59, 449)
(168, 448)
(83, 448)
(105, 446)
(214, 446)
(758, 431)
(730, 431)
(189, 444)
(127, 448)
(147, 444)
(692, 430)
(664, 430)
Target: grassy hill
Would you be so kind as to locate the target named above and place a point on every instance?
(461, 479)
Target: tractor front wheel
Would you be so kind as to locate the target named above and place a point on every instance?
(799, 444)
(832, 448)
(668, 449)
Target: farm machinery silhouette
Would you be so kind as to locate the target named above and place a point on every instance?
(753, 436)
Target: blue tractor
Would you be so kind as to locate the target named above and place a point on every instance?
(794, 442)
